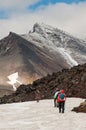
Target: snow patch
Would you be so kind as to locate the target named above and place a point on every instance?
(67, 56)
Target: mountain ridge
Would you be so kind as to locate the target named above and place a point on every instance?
(57, 39)
(42, 51)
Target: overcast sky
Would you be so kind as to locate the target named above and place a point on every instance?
(20, 15)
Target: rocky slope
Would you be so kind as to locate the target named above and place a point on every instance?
(73, 81)
(30, 61)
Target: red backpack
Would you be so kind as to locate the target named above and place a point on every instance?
(61, 97)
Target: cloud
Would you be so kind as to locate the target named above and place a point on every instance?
(13, 4)
(68, 17)
(11, 7)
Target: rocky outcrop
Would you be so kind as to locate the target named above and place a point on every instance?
(73, 81)
(81, 108)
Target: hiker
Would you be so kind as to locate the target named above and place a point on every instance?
(61, 100)
(55, 97)
(37, 95)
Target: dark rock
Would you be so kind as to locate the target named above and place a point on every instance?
(81, 108)
(69, 80)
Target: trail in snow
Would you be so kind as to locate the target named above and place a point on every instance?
(41, 116)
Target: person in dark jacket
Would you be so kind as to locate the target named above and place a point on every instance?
(61, 100)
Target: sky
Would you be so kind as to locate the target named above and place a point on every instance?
(19, 16)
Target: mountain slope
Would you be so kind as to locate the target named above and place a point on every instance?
(32, 62)
(40, 52)
(72, 49)
(73, 81)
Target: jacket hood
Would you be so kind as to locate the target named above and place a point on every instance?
(62, 91)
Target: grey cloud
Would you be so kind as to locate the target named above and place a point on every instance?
(70, 18)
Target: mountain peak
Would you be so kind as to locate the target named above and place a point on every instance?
(12, 34)
(38, 28)
(56, 40)
(41, 27)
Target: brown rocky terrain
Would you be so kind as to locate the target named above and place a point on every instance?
(73, 81)
(81, 108)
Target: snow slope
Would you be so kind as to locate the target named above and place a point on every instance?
(41, 116)
(73, 50)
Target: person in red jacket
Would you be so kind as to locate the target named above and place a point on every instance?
(61, 100)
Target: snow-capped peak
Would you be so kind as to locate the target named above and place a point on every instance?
(53, 39)
(43, 27)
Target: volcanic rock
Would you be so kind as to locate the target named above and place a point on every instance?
(71, 80)
(81, 108)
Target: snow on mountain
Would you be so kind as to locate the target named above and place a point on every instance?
(67, 56)
(72, 49)
(41, 116)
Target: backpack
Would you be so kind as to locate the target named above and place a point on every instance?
(62, 96)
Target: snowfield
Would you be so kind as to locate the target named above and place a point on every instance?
(41, 116)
